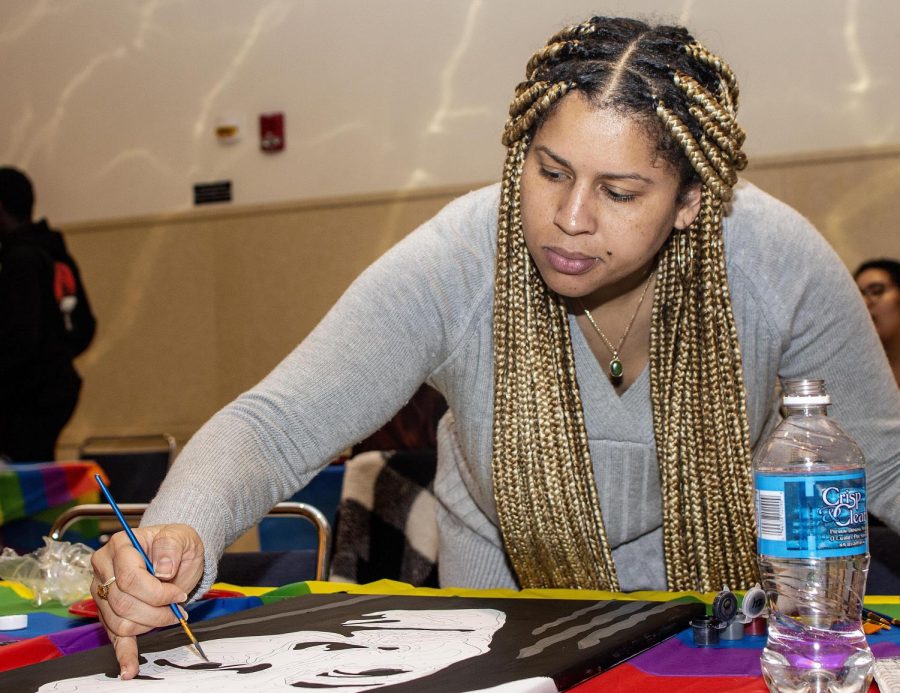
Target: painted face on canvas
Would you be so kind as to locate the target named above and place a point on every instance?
(390, 647)
(598, 201)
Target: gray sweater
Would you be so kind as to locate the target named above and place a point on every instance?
(423, 313)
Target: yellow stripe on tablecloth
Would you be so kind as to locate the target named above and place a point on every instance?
(18, 588)
(246, 591)
(394, 587)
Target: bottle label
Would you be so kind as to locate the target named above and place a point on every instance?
(811, 516)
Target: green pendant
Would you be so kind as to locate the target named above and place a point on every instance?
(615, 368)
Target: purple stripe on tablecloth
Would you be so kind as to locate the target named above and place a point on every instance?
(885, 649)
(6, 638)
(80, 638)
(56, 486)
(674, 658)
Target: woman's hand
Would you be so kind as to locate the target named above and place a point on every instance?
(136, 601)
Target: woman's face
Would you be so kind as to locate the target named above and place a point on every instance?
(598, 202)
(882, 298)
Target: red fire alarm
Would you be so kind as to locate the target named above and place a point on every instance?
(271, 132)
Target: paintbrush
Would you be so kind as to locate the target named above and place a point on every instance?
(887, 620)
(140, 550)
(876, 622)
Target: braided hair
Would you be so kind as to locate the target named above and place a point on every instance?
(685, 98)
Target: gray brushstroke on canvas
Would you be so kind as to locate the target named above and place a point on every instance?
(638, 611)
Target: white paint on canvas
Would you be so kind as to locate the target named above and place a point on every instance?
(388, 647)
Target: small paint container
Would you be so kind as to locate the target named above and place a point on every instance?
(706, 631)
(757, 626)
(733, 631)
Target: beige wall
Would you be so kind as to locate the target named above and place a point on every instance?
(111, 106)
(852, 197)
(194, 308)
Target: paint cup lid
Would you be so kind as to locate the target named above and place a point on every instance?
(15, 622)
(725, 606)
(754, 603)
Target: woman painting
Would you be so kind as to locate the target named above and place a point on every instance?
(608, 326)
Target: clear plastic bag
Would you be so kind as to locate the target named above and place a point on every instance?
(59, 570)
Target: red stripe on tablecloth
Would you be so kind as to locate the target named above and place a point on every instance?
(80, 476)
(29, 651)
(628, 679)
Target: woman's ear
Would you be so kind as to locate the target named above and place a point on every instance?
(688, 206)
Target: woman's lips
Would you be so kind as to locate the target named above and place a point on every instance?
(569, 263)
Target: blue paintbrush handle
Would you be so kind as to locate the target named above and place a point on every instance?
(134, 541)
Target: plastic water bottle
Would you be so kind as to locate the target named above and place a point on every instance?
(813, 548)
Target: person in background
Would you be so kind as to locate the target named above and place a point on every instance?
(45, 321)
(608, 326)
(879, 282)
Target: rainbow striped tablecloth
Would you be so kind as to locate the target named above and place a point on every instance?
(677, 666)
(33, 495)
(673, 665)
(55, 632)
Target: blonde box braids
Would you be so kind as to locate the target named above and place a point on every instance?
(544, 484)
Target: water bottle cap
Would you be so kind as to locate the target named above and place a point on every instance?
(806, 400)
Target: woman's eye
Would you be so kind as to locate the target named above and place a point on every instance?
(618, 197)
(551, 175)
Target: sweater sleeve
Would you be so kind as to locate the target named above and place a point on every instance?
(392, 328)
(822, 330)
(832, 337)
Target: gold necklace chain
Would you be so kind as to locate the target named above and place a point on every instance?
(616, 369)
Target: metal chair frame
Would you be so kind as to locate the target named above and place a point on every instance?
(135, 511)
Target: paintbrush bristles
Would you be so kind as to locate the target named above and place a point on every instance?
(193, 639)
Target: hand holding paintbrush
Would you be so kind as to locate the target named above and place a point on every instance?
(130, 598)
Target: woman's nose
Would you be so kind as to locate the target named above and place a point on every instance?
(574, 213)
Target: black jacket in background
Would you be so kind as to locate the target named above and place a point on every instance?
(38, 384)
(82, 324)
